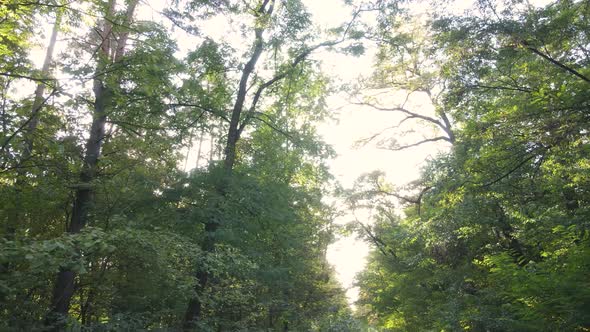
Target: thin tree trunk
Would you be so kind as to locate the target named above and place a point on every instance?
(234, 124)
(199, 149)
(194, 310)
(212, 145)
(84, 195)
(218, 148)
(15, 215)
(14, 218)
(188, 151)
(86, 308)
(39, 99)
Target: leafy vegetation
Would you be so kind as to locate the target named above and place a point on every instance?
(496, 236)
(108, 223)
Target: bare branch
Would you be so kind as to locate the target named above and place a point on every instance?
(381, 245)
(381, 191)
(427, 140)
(273, 127)
(365, 141)
(412, 200)
(512, 170)
(32, 78)
(498, 87)
(405, 111)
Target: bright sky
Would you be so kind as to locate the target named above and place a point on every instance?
(348, 254)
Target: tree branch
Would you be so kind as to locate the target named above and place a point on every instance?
(427, 140)
(275, 128)
(208, 110)
(526, 45)
(405, 111)
(381, 245)
(36, 79)
(298, 59)
(417, 200)
(24, 124)
(512, 170)
(498, 87)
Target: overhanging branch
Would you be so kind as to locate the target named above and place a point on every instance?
(197, 106)
(527, 46)
(424, 141)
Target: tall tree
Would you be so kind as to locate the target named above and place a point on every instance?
(281, 33)
(110, 51)
(30, 126)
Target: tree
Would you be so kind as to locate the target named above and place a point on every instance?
(105, 207)
(109, 51)
(482, 254)
(265, 19)
(409, 64)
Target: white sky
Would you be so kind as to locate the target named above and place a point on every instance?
(348, 254)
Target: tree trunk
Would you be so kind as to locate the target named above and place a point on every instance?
(39, 100)
(233, 133)
(84, 198)
(199, 149)
(84, 195)
(212, 145)
(188, 151)
(14, 217)
(194, 310)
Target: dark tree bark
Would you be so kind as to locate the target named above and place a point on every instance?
(109, 51)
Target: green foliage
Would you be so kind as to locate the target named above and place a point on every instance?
(135, 260)
(495, 235)
(501, 239)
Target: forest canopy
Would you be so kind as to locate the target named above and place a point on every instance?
(161, 166)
